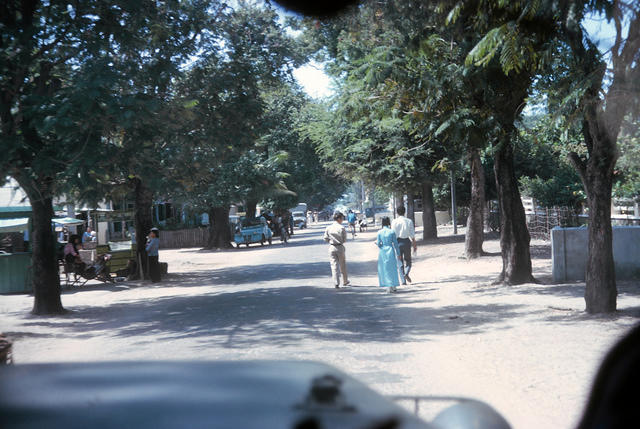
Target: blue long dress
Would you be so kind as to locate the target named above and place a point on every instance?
(388, 258)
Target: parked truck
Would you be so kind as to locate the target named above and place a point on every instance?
(302, 207)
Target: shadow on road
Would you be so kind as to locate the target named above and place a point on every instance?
(283, 316)
(251, 274)
(243, 274)
(564, 290)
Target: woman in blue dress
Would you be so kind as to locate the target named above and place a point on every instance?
(388, 256)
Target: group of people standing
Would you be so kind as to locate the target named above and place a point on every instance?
(395, 241)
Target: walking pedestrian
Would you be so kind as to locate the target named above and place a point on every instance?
(351, 218)
(336, 235)
(406, 235)
(153, 244)
(388, 256)
(290, 222)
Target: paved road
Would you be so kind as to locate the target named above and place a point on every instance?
(245, 303)
(527, 350)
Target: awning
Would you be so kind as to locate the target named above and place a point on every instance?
(69, 221)
(14, 225)
(22, 223)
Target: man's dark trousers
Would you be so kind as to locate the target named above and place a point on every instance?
(405, 252)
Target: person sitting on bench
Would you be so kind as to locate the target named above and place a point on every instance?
(72, 257)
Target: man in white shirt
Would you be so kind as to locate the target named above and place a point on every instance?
(336, 235)
(406, 235)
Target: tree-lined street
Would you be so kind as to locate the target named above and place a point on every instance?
(160, 123)
(529, 351)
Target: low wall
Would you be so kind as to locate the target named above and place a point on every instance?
(569, 248)
(442, 218)
(196, 237)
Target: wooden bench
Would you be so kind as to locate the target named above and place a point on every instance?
(119, 258)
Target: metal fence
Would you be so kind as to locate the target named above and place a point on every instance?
(543, 220)
(196, 237)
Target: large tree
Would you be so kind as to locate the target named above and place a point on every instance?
(607, 97)
(224, 108)
(61, 68)
(288, 112)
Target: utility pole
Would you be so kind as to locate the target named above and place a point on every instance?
(453, 205)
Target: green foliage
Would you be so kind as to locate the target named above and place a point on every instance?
(288, 111)
(397, 113)
(502, 31)
(221, 153)
(541, 161)
(74, 77)
(627, 173)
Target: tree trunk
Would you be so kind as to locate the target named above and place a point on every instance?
(251, 209)
(514, 235)
(372, 197)
(411, 209)
(46, 274)
(398, 200)
(143, 225)
(475, 222)
(487, 217)
(219, 229)
(597, 178)
(430, 230)
(600, 292)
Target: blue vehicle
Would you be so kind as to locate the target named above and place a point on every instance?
(247, 231)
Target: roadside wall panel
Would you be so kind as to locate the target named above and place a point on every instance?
(569, 249)
(15, 273)
(183, 238)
